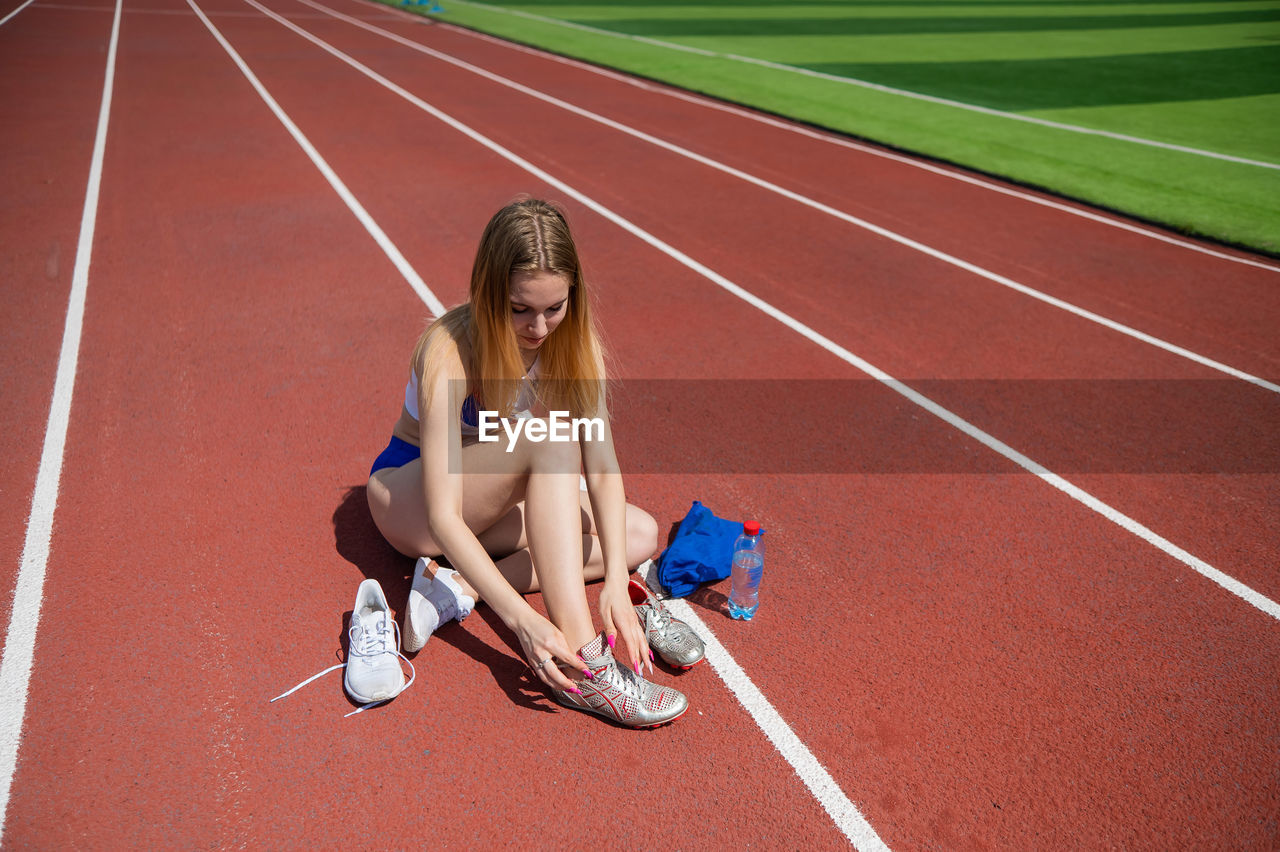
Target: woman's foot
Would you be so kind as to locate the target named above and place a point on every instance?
(620, 694)
(433, 601)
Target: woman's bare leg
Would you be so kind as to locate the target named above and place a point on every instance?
(497, 504)
(508, 536)
(553, 520)
(396, 503)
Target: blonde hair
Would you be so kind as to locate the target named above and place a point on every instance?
(527, 235)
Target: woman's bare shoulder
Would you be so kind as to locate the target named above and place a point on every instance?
(444, 351)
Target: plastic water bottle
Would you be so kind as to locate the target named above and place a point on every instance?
(748, 568)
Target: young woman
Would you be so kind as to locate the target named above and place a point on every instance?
(466, 477)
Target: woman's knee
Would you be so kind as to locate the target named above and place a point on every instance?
(558, 456)
(642, 536)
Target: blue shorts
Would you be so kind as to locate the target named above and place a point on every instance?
(397, 454)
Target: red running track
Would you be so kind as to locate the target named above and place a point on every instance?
(977, 660)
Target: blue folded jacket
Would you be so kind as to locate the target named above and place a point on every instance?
(701, 552)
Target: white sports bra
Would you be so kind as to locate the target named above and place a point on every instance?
(470, 414)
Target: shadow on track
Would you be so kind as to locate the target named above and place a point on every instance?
(358, 541)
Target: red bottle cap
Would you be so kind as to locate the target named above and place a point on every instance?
(751, 528)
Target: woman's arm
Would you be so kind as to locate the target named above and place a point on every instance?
(608, 501)
(609, 507)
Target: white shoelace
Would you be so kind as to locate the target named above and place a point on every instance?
(660, 618)
(628, 681)
(371, 643)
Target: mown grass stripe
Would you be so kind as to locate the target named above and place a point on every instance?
(1077, 117)
(878, 87)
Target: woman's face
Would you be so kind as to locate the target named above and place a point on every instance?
(539, 301)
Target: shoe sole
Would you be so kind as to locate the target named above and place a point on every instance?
(369, 699)
(684, 667)
(409, 639)
(681, 666)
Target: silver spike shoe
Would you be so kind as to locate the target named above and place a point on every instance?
(620, 694)
(674, 640)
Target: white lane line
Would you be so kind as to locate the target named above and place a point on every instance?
(389, 15)
(817, 778)
(848, 218)
(379, 236)
(890, 90)
(15, 11)
(1080, 495)
(28, 593)
(831, 138)
(841, 810)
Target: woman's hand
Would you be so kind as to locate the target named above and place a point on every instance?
(546, 650)
(621, 623)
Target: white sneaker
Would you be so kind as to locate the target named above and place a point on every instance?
(373, 674)
(432, 602)
(373, 664)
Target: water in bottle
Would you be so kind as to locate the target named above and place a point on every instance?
(748, 568)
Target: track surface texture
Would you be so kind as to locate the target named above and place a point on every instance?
(974, 655)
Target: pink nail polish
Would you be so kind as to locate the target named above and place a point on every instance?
(637, 668)
(575, 689)
(590, 675)
(651, 655)
(610, 638)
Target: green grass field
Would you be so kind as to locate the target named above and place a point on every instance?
(1201, 75)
